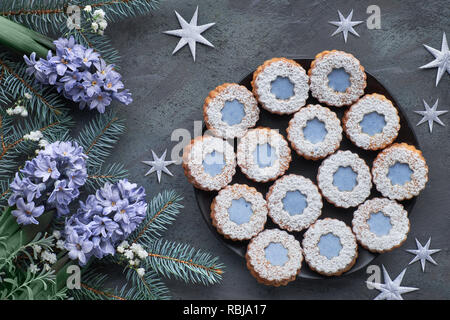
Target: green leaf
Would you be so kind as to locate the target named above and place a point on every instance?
(23, 40)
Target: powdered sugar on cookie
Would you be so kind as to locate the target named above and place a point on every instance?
(320, 263)
(256, 257)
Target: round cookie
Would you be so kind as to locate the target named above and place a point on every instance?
(209, 163)
(372, 123)
(263, 154)
(330, 247)
(239, 212)
(336, 78)
(280, 85)
(400, 172)
(380, 224)
(230, 110)
(314, 132)
(294, 202)
(344, 179)
(274, 257)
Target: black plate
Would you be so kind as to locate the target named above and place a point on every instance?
(308, 168)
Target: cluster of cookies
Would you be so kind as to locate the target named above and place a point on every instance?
(294, 203)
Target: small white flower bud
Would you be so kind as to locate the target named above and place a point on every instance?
(140, 271)
(103, 24)
(99, 13)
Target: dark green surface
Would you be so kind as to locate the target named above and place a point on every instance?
(169, 92)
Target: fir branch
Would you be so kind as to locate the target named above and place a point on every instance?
(162, 211)
(99, 137)
(92, 287)
(4, 195)
(45, 101)
(38, 15)
(50, 15)
(95, 294)
(183, 262)
(148, 286)
(109, 174)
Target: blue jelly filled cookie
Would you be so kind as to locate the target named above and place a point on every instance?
(372, 123)
(400, 172)
(263, 154)
(336, 78)
(380, 224)
(239, 212)
(315, 132)
(330, 247)
(294, 202)
(209, 163)
(274, 257)
(344, 179)
(281, 85)
(230, 110)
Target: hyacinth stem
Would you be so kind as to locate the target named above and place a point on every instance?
(16, 236)
(23, 40)
(8, 223)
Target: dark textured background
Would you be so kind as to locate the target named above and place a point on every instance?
(169, 92)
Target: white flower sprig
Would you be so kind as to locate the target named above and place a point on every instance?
(134, 254)
(38, 137)
(98, 21)
(33, 136)
(45, 257)
(19, 106)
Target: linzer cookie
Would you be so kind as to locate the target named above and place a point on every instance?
(400, 172)
(344, 179)
(294, 202)
(263, 154)
(280, 85)
(372, 123)
(274, 257)
(209, 163)
(380, 224)
(239, 212)
(315, 132)
(229, 110)
(336, 78)
(330, 247)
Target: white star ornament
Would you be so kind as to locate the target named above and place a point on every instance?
(423, 253)
(159, 165)
(441, 61)
(190, 33)
(391, 290)
(345, 25)
(431, 115)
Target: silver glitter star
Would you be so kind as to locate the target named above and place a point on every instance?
(391, 290)
(190, 33)
(431, 115)
(423, 253)
(159, 165)
(442, 61)
(345, 25)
